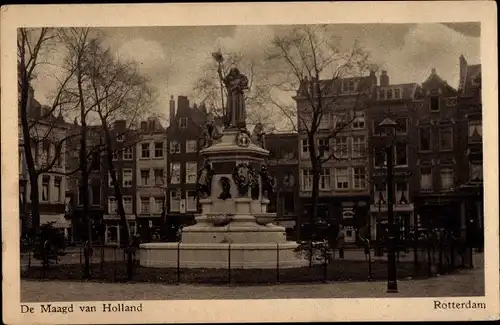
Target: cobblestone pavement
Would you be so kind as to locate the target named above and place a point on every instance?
(463, 283)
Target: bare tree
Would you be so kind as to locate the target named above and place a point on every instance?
(40, 125)
(310, 63)
(120, 93)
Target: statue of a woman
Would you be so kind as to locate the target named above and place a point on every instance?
(235, 83)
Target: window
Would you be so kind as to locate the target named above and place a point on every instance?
(191, 201)
(307, 177)
(58, 159)
(401, 193)
(380, 158)
(112, 205)
(191, 146)
(402, 125)
(380, 194)
(175, 200)
(381, 94)
(45, 152)
(96, 194)
(145, 205)
(288, 180)
(340, 120)
(145, 177)
(451, 101)
(475, 129)
(119, 138)
(127, 177)
(348, 85)
(445, 138)
(116, 155)
(158, 205)
(323, 144)
(358, 146)
(359, 120)
(45, 188)
(400, 158)
(145, 150)
(127, 204)
(305, 147)
(426, 179)
(324, 179)
(175, 147)
(341, 178)
(389, 94)
(397, 93)
(324, 122)
(340, 148)
(159, 175)
(158, 149)
(132, 227)
(476, 171)
(447, 179)
(127, 154)
(175, 170)
(359, 177)
(57, 189)
(183, 122)
(434, 103)
(191, 172)
(425, 138)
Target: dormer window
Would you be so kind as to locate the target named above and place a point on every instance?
(381, 94)
(183, 122)
(389, 94)
(119, 138)
(434, 103)
(348, 86)
(397, 93)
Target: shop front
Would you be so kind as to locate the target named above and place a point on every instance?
(440, 212)
(112, 228)
(404, 220)
(150, 228)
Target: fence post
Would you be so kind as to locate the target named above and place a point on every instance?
(277, 263)
(440, 256)
(80, 253)
(325, 265)
(415, 251)
(229, 262)
(102, 260)
(429, 261)
(368, 250)
(179, 262)
(29, 258)
(114, 257)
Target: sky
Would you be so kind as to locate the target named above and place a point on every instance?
(175, 57)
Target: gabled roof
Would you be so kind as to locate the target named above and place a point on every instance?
(408, 90)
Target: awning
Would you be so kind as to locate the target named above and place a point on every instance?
(58, 219)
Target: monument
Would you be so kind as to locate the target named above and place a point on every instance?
(233, 186)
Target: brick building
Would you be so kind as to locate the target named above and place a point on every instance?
(395, 101)
(150, 172)
(470, 160)
(344, 195)
(125, 164)
(284, 167)
(438, 154)
(183, 134)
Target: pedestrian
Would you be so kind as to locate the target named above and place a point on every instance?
(341, 241)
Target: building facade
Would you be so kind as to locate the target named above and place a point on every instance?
(438, 154)
(283, 165)
(183, 134)
(470, 161)
(395, 101)
(151, 172)
(47, 137)
(344, 194)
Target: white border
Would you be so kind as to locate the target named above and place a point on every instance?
(251, 14)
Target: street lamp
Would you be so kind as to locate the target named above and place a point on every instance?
(390, 126)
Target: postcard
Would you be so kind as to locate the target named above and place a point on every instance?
(250, 162)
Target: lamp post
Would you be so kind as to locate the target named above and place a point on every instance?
(392, 284)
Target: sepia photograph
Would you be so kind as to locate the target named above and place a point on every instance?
(262, 163)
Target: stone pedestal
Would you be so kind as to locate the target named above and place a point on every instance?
(236, 230)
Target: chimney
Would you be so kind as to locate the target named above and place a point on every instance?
(433, 71)
(182, 103)
(463, 72)
(384, 78)
(172, 109)
(144, 125)
(373, 78)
